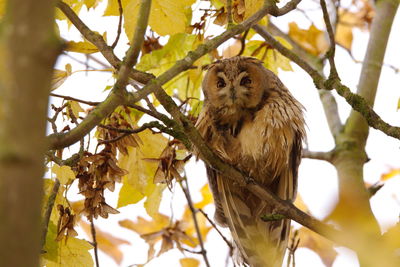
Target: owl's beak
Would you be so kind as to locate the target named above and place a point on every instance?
(233, 94)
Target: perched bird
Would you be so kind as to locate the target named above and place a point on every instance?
(252, 122)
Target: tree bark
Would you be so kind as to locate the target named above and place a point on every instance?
(29, 48)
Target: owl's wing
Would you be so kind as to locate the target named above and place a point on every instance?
(261, 243)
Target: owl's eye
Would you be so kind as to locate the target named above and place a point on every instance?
(245, 81)
(221, 83)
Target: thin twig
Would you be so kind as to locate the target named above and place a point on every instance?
(185, 189)
(243, 43)
(90, 103)
(94, 242)
(119, 24)
(331, 52)
(216, 228)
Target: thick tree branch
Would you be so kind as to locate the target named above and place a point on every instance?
(356, 101)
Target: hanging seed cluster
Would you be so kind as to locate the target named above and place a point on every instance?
(96, 173)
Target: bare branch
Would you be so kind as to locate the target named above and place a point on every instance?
(94, 242)
(331, 52)
(229, 244)
(90, 103)
(120, 10)
(185, 189)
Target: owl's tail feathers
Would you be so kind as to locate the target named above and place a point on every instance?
(260, 243)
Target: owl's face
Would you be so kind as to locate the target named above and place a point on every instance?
(234, 84)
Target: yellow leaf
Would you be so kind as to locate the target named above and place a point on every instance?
(207, 197)
(128, 194)
(107, 243)
(75, 5)
(152, 202)
(141, 172)
(112, 8)
(391, 174)
(76, 108)
(91, 3)
(73, 252)
(84, 47)
(313, 40)
(252, 6)
(143, 226)
(167, 17)
(189, 262)
(63, 173)
(59, 77)
(322, 246)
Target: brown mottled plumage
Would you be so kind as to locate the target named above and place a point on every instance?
(252, 122)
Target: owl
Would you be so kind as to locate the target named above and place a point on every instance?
(253, 123)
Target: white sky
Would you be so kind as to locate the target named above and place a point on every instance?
(317, 179)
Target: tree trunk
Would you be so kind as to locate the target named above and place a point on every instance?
(28, 48)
